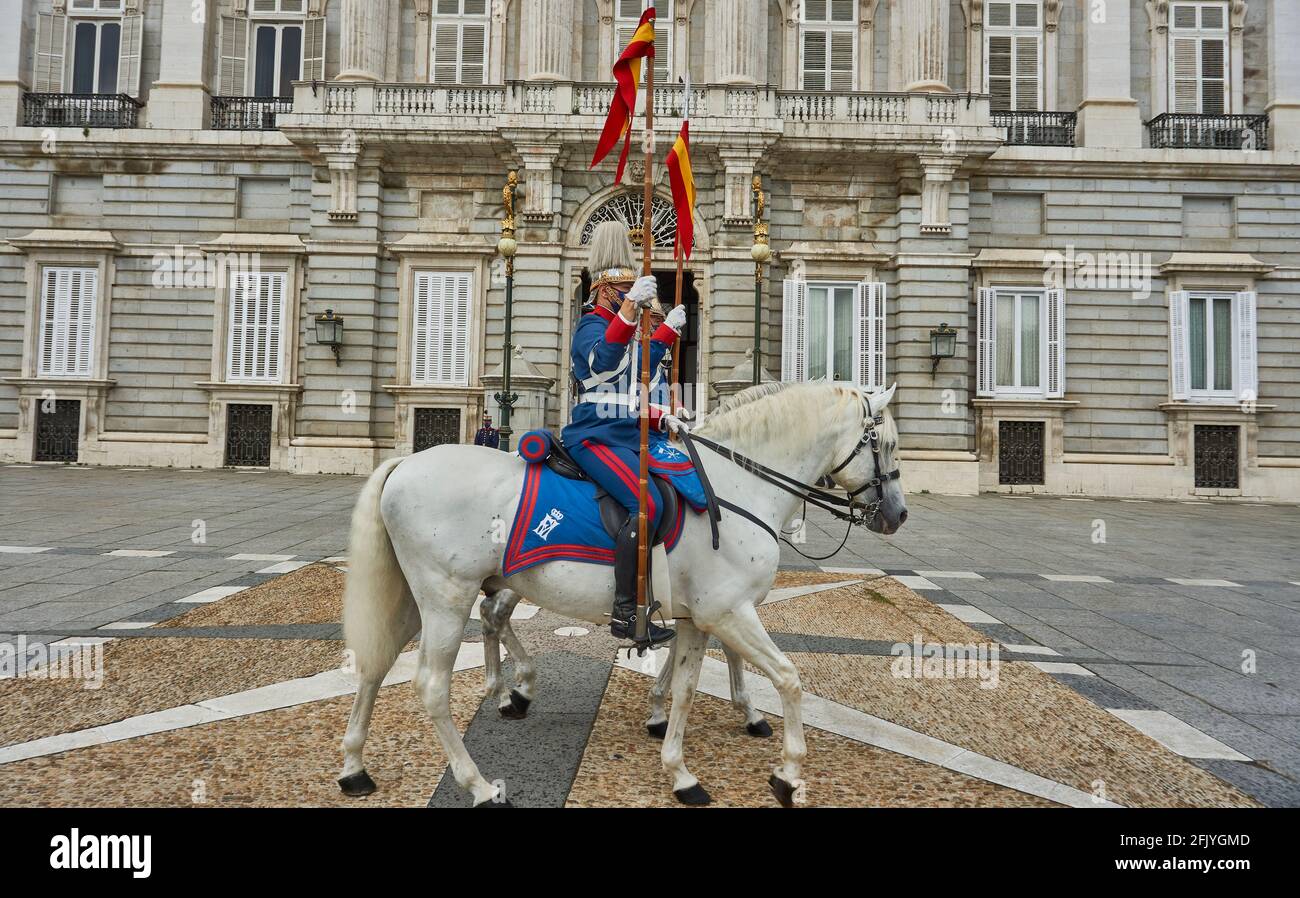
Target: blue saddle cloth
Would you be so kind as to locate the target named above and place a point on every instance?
(558, 518)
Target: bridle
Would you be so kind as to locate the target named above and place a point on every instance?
(847, 509)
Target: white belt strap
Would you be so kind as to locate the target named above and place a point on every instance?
(596, 380)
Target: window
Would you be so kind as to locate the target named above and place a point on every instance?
(257, 303)
(828, 45)
(440, 348)
(109, 7)
(1013, 55)
(1212, 337)
(460, 42)
(291, 49)
(67, 335)
(1020, 343)
(833, 331)
(95, 47)
(627, 13)
(1198, 58)
(277, 59)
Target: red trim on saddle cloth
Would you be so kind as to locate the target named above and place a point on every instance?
(623, 473)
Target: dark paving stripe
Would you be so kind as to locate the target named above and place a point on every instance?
(1104, 693)
(1266, 786)
(538, 757)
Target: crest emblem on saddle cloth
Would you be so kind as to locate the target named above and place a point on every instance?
(548, 523)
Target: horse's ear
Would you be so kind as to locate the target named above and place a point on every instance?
(880, 400)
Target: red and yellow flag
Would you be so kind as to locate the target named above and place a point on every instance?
(627, 74)
(683, 184)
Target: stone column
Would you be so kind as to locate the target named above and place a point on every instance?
(1108, 115)
(738, 31)
(919, 44)
(1284, 74)
(14, 78)
(363, 47)
(546, 27)
(179, 98)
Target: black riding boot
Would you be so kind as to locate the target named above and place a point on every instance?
(622, 624)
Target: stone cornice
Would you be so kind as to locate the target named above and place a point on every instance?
(1271, 165)
(1214, 263)
(265, 244)
(65, 239)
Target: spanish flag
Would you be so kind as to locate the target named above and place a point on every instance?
(627, 74)
(683, 184)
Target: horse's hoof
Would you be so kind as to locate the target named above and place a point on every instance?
(694, 796)
(762, 729)
(783, 791)
(657, 730)
(493, 803)
(518, 707)
(357, 784)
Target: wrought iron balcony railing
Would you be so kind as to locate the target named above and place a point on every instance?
(42, 110)
(248, 113)
(1037, 129)
(1209, 132)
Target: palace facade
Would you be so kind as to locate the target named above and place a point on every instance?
(1100, 197)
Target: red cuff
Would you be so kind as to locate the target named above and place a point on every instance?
(665, 334)
(619, 331)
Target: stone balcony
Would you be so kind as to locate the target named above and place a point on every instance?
(414, 113)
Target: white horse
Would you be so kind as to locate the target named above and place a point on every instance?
(426, 538)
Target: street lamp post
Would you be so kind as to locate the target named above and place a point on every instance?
(507, 246)
(760, 252)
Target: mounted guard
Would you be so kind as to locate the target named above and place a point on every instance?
(604, 434)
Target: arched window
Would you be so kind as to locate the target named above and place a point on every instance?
(459, 44)
(628, 209)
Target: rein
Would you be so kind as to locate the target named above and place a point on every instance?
(856, 513)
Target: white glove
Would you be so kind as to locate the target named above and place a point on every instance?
(644, 292)
(673, 424)
(685, 414)
(676, 319)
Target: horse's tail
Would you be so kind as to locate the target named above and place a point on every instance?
(378, 609)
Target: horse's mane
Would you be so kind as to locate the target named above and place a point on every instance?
(782, 410)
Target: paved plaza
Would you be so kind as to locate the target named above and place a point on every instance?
(216, 593)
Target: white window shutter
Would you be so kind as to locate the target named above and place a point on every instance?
(440, 335)
(1214, 76)
(128, 64)
(813, 61)
(446, 53)
(1183, 81)
(256, 328)
(1247, 354)
(51, 36)
(842, 59)
(1055, 344)
(473, 54)
(67, 328)
(997, 70)
(869, 335)
(1178, 357)
(794, 336)
(459, 327)
(234, 56)
(986, 335)
(313, 52)
(1029, 79)
(420, 341)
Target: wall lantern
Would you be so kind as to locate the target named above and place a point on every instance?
(943, 345)
(329, 332)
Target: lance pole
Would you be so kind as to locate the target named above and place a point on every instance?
(647, 248)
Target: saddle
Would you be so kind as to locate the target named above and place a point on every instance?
(612, 513)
